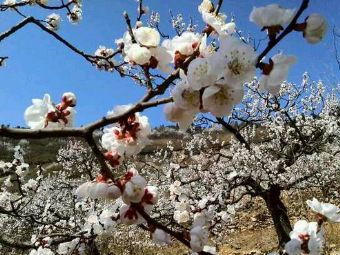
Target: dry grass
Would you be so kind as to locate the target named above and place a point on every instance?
(255, 241)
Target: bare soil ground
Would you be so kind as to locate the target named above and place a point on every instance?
(254, 233)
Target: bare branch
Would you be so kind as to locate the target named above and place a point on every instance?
(218, 6)
(62, 6)
(128, 22)
(15, 28)
(234, 131)
(336, 35)
(140, 10)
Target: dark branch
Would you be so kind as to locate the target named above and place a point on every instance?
(218, 6)
(15, 28)
(128, 22)
(289, 28)
(234, 131)
(336, 35)
(5, 241)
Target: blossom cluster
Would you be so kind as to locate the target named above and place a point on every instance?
(142, 47)
(127, 138)
(105, 59)
(43, 113)
(74, 15)
(213, 82)
(133, 190)
(204, 186)
(308, 237)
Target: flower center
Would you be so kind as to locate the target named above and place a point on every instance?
(136, 190)
(221, 97)
(305, 239)
(235, 66)
(192, 97)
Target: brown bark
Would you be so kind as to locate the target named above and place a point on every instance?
(279, 214)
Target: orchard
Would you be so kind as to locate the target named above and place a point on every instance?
(208, 77)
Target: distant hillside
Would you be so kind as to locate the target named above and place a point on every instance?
(43, 151)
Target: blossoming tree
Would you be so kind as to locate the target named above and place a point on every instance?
(208, 73)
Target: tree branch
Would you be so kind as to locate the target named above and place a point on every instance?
(18, 133)
(128, 22)
(90, 58)
(234, 131)
(152, 222)
(15, 28)
(62, 6)
(140, 10)
(336, 35)
(14, 244)
(218, 6)
(289, 28)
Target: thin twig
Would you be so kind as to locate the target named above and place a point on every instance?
(140, 9)
(336, 35)
(128, 22)
(218, 6)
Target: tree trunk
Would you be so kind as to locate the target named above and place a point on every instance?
(279, 214)
(93, 247)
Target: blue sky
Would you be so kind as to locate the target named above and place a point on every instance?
(39, 64)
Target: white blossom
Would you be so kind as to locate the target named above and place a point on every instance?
(218, 23)
(147, 36)
(10, 2)
(106, 218)
(53, 21)
(316, 28)
(234, 60)
(181, 216)
(134, 189)
(185, 96)
(163, 58)
(129, 215)
(31, 184)
(35, 115)
(221, 98)
(271, 15)
(67, 247)
(272, 81)
(116, 139)
(210, 249)
(43, 114)
(76, 14)
(198, 238)
(206, 6)
(176, 114)
(304, 233)
(145, 9)
(199, 74)
(147, 50)
(185, 44)
(103, 51)
(113, 192)
(160, 237)
(175, 188)
(138, 54)
(330, 211)
(98, 190)
(41, 251)
(69, 98)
